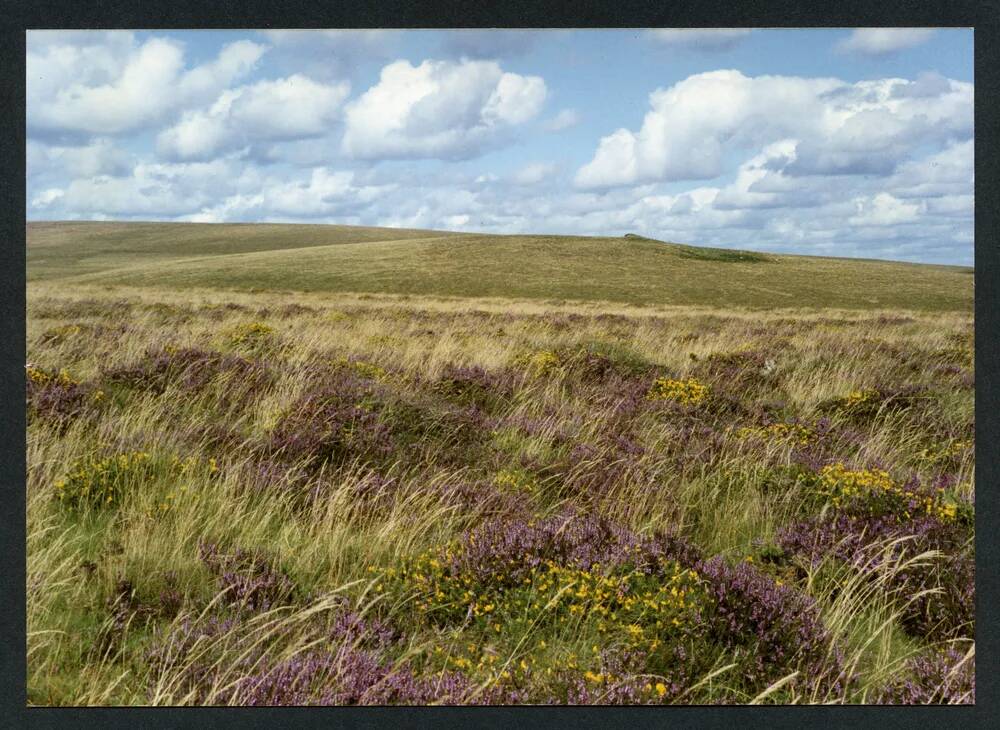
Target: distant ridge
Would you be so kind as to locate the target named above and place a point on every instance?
(630, 269)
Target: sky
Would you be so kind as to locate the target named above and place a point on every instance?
(831, 142)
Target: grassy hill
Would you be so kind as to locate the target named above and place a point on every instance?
(383, 260)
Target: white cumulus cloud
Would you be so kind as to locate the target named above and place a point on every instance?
(883, 209)
(119, 87)
(439, 109)
(100, 157)
(46, 197)
(283, 109)
(863, 128)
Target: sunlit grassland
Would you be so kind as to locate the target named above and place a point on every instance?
(347, 259)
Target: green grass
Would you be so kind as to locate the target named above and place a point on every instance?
(64, 249)
(629, 270)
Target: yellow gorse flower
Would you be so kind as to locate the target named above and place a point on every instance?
(633, 608)
(948, 450)
(38, 376)
(686, 392)
(64, 330)
(99, 481)
(106, 480)
(511, 481)
(840, 484)
(249, 332)
(539, 363)
(793, 432)
(856, 399)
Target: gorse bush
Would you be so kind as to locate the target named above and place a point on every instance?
(250, 334)
(514, 481)
(686, 392)
(867, 403)
(875, 492)
(368, 370)
(567, 573)
(790, 432)
(104, 482)
(538, 364)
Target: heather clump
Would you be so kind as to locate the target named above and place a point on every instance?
(870, 509)
(347, 659)
(128, 606)
(473, 385)
(344, 677)
(743, 367)
(332, 423)
(623, 399)
(768, 628)
(483, 499)
(592, 470)
(944, 676)
(246, 578)
(599, 361)
(506, 547)
(190, 369)
(947, 610)
(694, 446)
(56, 397)
(961, 354)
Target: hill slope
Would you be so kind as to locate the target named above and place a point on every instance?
(350, 259)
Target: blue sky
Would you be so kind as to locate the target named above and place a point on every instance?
(835, 142)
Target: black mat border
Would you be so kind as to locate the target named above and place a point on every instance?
(15, 17)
